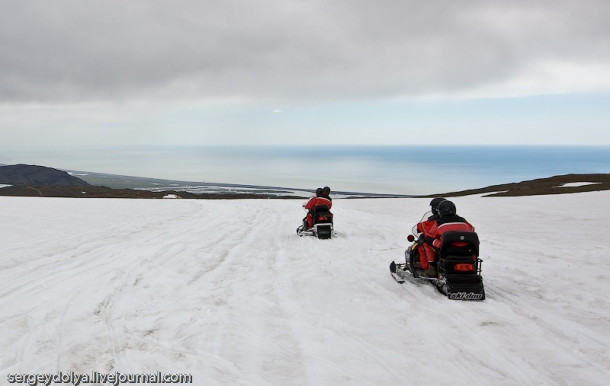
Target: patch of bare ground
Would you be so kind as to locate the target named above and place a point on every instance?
(567, 183)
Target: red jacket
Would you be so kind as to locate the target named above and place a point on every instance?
(315, 201)
(312, 203)
(447, 224)
(426, 227)
(426, 252)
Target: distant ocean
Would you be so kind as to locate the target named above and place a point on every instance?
(369, 169)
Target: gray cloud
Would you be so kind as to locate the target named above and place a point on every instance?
(71, 50)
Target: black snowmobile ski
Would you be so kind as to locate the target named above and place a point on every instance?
(455, 287)
(400, 272)
(399, 277)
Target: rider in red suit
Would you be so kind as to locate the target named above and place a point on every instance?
(448, 221)
(322, 198)
(425, 249)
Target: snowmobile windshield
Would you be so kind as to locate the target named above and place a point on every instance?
(414, 230)
(423, 218)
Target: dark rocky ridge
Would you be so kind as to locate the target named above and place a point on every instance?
(540, 186)
(27, 175)
(41, 181)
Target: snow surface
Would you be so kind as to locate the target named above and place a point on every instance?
(226, 291)
(577, 184)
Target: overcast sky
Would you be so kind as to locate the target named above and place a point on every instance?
(139, 72)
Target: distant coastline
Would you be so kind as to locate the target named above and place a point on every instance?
(99, 185)
(401, 170)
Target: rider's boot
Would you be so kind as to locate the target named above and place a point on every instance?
(431, 271)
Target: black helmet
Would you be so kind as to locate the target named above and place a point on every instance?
(446, 208)
(434, 204)
(318, 191)
(326, 190)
